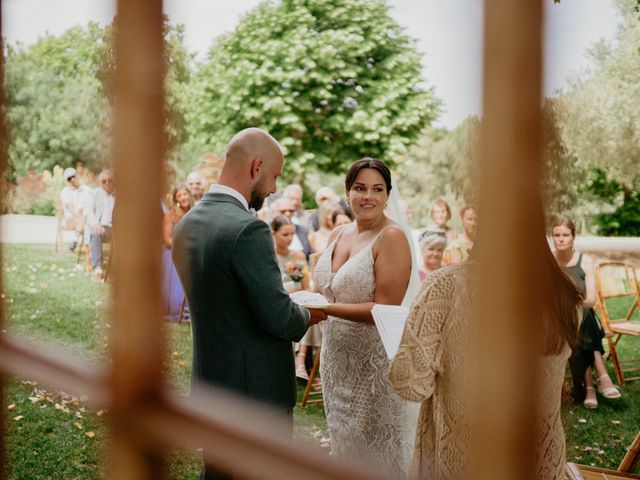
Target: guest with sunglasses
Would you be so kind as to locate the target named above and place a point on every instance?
(286, 206)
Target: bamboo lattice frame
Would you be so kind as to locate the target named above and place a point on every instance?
(145, 419)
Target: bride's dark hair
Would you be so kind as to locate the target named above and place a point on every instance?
(367, 162)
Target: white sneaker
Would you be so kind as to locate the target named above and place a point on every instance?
(97, 273)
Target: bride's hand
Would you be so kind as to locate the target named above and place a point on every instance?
(316, 315)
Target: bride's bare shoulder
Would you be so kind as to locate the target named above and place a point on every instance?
(392, 242)
(391, 234)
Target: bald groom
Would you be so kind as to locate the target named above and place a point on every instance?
(243, 321)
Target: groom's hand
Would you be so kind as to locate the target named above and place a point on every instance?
(316, 316)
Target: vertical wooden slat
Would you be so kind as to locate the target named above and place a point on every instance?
(509, 221)
(139, 149)
(3, 164)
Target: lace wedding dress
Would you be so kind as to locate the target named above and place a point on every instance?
(367, 420)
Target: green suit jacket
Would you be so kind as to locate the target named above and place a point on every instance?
(242, 319)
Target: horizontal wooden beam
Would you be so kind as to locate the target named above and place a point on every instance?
(57, 370)
(238, 436)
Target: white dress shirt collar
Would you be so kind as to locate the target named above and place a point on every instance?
(217, 188)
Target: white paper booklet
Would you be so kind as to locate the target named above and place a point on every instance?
(390, 320)
(309, 299)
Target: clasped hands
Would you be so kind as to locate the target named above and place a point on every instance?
(316, 315)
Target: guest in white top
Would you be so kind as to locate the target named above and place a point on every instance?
(72, 202)
(99, 219)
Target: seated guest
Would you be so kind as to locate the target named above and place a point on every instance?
(295, 277)
(172, 291)
(99, 219)
(318, 239)
(196, 184)
(294, 193)
(322, 195)
(441, 214)
(285, 206)
(432, 245)
(432, 366)
(72, 202)
(588, 352)
(458, 250)
(340, 217)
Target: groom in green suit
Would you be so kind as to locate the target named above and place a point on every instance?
(243, 321)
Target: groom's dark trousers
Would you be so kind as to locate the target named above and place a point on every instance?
(242, 319)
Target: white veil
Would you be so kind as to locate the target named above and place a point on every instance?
(396, 212)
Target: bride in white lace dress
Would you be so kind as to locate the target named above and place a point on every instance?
(365, 262)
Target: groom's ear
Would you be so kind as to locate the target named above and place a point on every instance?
(256, 168)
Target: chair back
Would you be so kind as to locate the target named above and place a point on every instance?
(617, 280)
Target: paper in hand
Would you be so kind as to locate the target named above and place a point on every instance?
(309, 299)
(390, 320)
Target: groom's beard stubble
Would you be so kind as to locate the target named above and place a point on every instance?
(258, 195)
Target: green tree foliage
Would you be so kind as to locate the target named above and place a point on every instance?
(625, 219)
(445, 164)
(55, 112)
(333, 80)
(441, 164)
(599, 126)
(177, 70)
(58, 93)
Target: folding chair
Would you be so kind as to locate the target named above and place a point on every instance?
(184, 316)
(626, 468)
(616, 280)
(60, 235)
(313, 394)
(311, 390)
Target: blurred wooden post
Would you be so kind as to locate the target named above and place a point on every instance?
(138, 151)
(3, 164)
(509, 220)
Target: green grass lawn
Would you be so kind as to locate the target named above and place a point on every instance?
(53, 435)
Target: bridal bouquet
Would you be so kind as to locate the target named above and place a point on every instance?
(296, 270)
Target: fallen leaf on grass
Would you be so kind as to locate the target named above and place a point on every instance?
(62, 408)
(11, 407)
(615, 422)
(90, 434)
(78, 425)
(18, 418)
(100, 413)
(582, 420)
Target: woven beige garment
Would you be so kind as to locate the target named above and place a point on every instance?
(432, 367)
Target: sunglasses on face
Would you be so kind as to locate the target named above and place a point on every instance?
(106, 180)
(70, 178)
